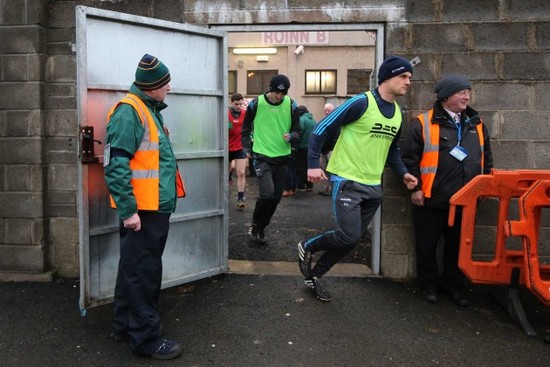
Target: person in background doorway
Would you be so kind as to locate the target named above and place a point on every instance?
(144, 183)
(329, 107)
(236, 156)
(291, 179)
(370, 126)
(307, 123)
(446, 147)
(274, 119)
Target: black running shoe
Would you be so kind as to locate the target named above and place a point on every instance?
(167, 349)
(256, 234)
(252, 233)
(261, 236)
(320, 290)
(304, 260)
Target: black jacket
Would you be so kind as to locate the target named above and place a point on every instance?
(451, 173)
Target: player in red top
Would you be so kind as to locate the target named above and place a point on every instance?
(236, 156)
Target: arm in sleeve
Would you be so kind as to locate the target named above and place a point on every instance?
(295, 126)
(346, 113)
(124, 134)
(413, 149)
(248, 125)
(394, 159)
(488, 153)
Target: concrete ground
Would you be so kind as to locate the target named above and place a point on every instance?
(273, 320)
(261, 314)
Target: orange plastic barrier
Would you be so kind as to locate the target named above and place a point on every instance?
(537, 277)
(504, 185)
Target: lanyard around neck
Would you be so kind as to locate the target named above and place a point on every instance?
(458, 126)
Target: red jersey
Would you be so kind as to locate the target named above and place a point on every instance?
(235, 128)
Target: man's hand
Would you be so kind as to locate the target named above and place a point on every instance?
(410, 181)
(417, 198)
(316, 175)
(133, 222)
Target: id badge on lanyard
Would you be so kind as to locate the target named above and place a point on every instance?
(459, 152)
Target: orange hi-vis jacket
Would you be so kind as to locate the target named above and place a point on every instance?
(145, 162)
(430, 157)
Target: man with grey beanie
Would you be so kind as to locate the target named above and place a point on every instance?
(446, 147)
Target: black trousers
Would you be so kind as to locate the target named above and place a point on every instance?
(429, 225)
(301, 169)
(354, 206)
(271, 181)
(138, 281)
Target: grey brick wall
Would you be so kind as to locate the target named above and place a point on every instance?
(23, 242)
(500, 45)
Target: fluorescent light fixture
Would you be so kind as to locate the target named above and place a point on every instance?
(255, 51)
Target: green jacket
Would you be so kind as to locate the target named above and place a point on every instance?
(307, 123)
(124, 134)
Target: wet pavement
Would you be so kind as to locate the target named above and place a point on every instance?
(255, 320)
(303, 215)
(262, 319)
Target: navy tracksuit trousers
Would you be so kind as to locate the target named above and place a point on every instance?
(354, 206)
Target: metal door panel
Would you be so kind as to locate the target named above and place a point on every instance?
(191, 62)
(109, 46)
(195, 245)
(207, 193)
(194, 123)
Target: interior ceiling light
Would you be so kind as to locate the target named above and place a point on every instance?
(255, 51)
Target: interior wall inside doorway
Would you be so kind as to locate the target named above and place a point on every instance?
(301, 53)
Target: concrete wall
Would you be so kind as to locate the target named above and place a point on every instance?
(501, 45)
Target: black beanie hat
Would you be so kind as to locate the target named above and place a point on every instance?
(393, 66)
(279, 83)
(151, 73)
(449, 85)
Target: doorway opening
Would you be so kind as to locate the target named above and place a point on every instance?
(326, 63)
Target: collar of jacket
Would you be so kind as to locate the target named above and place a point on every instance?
(150, 102)
(441, 116)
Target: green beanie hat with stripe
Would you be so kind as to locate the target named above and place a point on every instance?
(151, 73)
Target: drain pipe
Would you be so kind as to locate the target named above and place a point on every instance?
(376, 242)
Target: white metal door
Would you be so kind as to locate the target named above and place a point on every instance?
(109, 47)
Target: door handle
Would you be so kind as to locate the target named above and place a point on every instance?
(87, 145)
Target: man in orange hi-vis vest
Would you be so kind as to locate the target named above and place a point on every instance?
(144, 183)
(446, 147)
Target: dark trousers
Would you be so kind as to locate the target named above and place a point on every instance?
(271, 180)
(429, 225)
(301, 170)
(138, 281)
(354, 205)
(291, 179)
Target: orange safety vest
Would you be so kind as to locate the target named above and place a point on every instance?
(430, 158)
(145, 162)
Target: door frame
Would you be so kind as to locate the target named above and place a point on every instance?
(379, 58)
